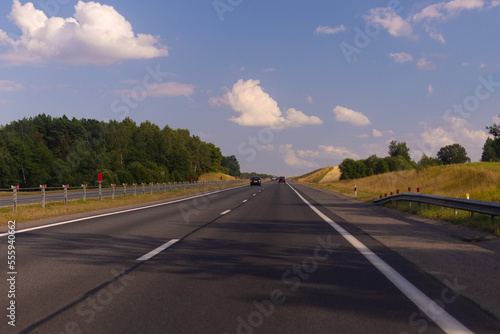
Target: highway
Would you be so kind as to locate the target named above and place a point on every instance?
(241, 260)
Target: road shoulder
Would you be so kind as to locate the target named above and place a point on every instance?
(436, 247)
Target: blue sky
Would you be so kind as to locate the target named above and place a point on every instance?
(285, 86)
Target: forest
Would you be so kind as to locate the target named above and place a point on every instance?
(57, 150)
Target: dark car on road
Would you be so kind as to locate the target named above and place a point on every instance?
(282, 179)
(255, 181)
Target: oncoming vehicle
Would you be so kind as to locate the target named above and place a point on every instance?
(255, 180)
(274, 178)
(282, 179)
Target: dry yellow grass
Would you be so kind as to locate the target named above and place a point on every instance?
(314, 176)
(480, 180)
(332, 176)
(32, 212)
(215, 177)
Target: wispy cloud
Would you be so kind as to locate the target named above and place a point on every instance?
(388, 19)
(10, 86)
(401, 57)
(166, 89)
(330, 31)
(430, 90)
(425, 65)
(442, 12)
(291, 159)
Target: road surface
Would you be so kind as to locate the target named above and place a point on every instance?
(242, 260)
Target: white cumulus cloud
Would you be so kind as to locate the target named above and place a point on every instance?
(377, 133)
(96, 34)
(350, 116)
(457, 131)
(254, 107)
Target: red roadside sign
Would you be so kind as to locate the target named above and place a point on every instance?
(99, 177)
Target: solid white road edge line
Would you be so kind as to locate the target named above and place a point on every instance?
(157, 250)
(227, 211)
(444, 320)
(117, 212)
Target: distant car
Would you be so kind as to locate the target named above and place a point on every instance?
(274, 178)
(282, 179)
(255, 180)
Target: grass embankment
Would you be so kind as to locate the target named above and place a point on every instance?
(480, 180)
(215, 177)
(33, 212)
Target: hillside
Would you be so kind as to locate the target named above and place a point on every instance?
(215, 177)
(321, 175)
(480, 180)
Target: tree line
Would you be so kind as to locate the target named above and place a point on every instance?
(59, 150)
(399, 159)
(491, 148)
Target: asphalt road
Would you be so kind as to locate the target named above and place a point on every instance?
(244, 260)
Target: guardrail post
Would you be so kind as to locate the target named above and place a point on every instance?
(113, 193)
(144, 188)
(84, 186)
(158, 184)
(43, 194)
(124, 190)
(152, 185)
(135, 189)
(100, 190)
(14, 196)
(65, 187)
(355, 190)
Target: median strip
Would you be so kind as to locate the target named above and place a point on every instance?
(436, 313)
(158, 250)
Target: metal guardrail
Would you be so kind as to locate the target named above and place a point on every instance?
(484, 207)
(144, 188)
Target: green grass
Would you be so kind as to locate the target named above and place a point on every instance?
(478, 222)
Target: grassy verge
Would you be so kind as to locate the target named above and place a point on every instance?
(477, 222)
(465, 177)
(32, 212)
